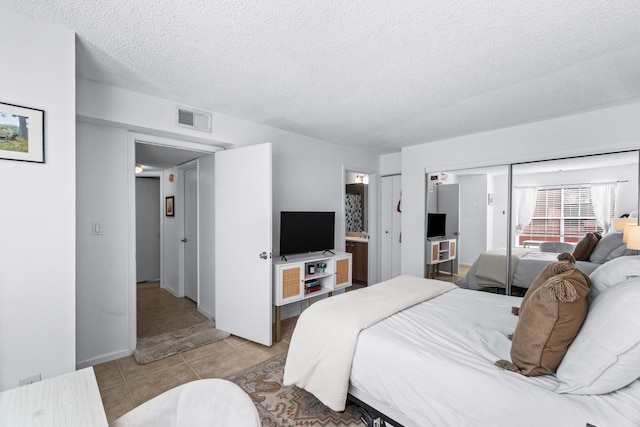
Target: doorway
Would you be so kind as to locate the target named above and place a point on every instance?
(359, 222)
(175, 169)
(449, 204)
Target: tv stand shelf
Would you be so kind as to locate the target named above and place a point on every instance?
(439, 251)
(301, 277)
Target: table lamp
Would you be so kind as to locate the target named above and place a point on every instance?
(630, 223)
(617, 224)
(632, 234)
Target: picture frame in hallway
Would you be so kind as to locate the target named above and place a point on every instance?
(21, 133)
(168, 206)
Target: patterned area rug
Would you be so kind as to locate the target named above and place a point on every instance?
(281, 406)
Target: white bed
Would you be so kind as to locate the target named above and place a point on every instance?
(432, 364)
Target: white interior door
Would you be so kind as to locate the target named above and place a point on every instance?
(449, 203)
(191, 234)
(243, 227)
(147, 229)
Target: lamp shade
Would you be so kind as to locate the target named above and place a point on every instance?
(617, 224)
(632, 234)
(630, 223)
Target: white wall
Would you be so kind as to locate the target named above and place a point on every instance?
(610, 129)
(390, 164)
(308, 175)
(102, 261)
(500, 212)
(473, 217)
(37, 218)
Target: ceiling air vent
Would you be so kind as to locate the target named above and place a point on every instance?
(194, 119)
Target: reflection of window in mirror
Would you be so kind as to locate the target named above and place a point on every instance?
(554, 204)
(562, 200)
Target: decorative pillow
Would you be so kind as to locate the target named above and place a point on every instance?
(605, 355)
(565, 262)
(584, 247)
(609, 242)
(549, 319)
(613, 272)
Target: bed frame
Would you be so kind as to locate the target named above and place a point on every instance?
(377, 408)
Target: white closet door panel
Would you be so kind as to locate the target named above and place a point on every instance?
(396, 226)
(386, 223)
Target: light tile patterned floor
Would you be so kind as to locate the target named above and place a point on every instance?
(124, 384)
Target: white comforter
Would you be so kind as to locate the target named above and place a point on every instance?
(433, 364)
(324, 341)
(492, 264)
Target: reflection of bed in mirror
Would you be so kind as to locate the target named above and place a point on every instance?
(489, 270)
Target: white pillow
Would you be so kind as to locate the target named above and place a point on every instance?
(613, 272)
(605, 356)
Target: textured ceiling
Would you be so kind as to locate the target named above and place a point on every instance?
(380, 74)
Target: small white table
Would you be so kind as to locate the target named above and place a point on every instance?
(71, 399)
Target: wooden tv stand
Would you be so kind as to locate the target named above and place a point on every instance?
(292, 280)
(439, 251)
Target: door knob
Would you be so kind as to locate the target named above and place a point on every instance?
(264, 255)
(184, 240)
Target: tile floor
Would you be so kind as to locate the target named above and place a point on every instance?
(124, 384)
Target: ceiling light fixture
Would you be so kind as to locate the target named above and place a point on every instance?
(362, 179)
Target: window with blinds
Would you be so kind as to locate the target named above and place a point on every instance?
(562, 214)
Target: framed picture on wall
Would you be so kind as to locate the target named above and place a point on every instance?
(168, 206)
(21, 133)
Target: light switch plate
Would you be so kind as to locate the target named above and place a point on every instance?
(96, 228)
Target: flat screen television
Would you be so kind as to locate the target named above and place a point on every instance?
(436, 225)
(302, 232)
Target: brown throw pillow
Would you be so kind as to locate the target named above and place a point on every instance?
(549, 321)
(585, 246)
(565, 262)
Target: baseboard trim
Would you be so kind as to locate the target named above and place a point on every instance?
(104, 358)
(206, 313)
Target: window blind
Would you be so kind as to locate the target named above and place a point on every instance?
(562, 214)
